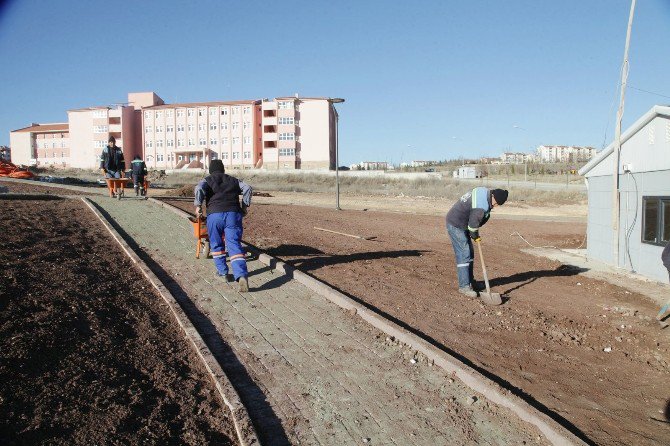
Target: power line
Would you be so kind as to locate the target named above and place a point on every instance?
(650, 92)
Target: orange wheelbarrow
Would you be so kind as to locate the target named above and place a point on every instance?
(201, 236)
(116, 186)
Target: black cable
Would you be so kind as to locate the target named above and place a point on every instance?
(630, 229)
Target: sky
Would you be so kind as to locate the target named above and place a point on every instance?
(422, 80)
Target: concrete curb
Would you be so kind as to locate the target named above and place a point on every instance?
(246, 434)
(552, 430)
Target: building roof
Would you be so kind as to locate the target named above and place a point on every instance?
(200, 104)
(300, 98)
(99, 107)
(657, 110)
(53, 127)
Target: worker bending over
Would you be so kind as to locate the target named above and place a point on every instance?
(139, 172)
(221, 192)
(464, 219)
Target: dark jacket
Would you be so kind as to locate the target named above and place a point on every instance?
(223, 193)
(138, 168)
(472, 210)
(666, 257)
(112, 159)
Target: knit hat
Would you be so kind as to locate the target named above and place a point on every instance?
(216, 166)
(500, 195)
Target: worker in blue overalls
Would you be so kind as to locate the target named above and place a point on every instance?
(464, 219)
(221, 194)
(139, 172)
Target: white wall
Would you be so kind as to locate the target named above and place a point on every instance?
(20, 144)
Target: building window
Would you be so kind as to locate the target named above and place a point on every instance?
(180, 127)
(100, 129)
(656, 220)
(180, 112)
(180, 143)
(62, 144)
(236, 110)
(159, 143)
(224, 111)
(147, 115)
(247, 125)
(284, 105)
(213, 141)
(191, 112)
(170, 142)
(191, 142)
(236, 125)
(170, 129)
(224, 141)
(286, 152)
(212, 111)
(159, 114)
(150, 144)
(212, 126)
(159, 129)
(236, 140)
(148, 129)
(203, 142)
(191, 127)
(236, 155)
(286, 121)
(224, 126)
(159, 157)
(168, 114)
(224, 155)
(287, 136)
(247, 155)
(247, 110)
(247, 140)
(100, 113)
(201, 112)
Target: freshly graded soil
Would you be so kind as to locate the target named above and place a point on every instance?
(89, 353)
(588, 352)
(37, 188)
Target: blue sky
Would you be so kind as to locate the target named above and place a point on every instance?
(421, 79)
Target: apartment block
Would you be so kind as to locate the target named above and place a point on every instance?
(564, 154)
(190, 135)
(41, 144)
(516, 158)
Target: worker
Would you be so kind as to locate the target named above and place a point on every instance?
(665, 257)
(221, 192)
(464, 220)
(139, 171)
(112, 163)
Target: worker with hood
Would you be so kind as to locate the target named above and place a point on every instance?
(464, 220)
(139, 172)
(221, 192)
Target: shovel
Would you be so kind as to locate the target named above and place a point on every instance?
(489, 298)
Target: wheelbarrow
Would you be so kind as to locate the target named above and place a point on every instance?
(116, 186)
(201, 236)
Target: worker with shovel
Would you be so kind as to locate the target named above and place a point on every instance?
(464, 220)
(221, 193)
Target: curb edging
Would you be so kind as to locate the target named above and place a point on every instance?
(246, 434)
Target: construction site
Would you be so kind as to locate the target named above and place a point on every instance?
(352, 331)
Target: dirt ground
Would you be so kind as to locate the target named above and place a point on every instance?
(89, 354)
(588, 351)
(37, 188)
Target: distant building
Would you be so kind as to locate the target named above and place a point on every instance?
(5, 153)
(41, 145)
(565, 154)
(422, 163)
(466, 172)
(373, 165)
(489, 160)
(516, 158)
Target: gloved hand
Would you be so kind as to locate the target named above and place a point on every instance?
(474, 235)
(198, 212)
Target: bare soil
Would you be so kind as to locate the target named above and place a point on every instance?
(588, 352)
(89, 354)
(37, 188)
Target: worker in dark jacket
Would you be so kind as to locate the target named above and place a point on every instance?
(464, 220)
(112, 164)
(139, 171)
(221, 194)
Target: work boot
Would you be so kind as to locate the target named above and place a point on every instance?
(244, 284)
(227, 277)
(137, 191)
(467, 291)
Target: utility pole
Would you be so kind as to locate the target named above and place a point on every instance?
(616, 154)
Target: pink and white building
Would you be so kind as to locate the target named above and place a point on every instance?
(283, 133)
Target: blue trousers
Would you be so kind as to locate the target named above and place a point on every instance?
(460, 240)
(113, 174)
(228, 225)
